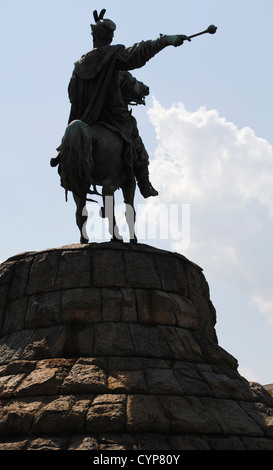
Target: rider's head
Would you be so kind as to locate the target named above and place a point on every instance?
(102, 30)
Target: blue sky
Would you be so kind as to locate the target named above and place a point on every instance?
(223, 81)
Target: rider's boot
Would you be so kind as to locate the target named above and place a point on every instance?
(143, 181)
(55, 161)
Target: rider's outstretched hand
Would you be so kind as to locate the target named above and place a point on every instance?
(178, 39)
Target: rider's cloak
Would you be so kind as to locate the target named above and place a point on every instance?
(94, 89)
(89, 83)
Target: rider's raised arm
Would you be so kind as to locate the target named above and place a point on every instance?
(137, 55)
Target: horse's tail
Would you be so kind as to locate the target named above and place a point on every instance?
(76, 160)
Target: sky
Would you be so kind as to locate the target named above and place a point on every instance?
(207, 127)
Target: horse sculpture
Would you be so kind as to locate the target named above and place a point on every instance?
(92, 156)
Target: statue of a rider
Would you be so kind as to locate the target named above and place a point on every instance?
(95, 91)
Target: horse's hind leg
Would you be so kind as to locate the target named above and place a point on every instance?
(129, 194)
(81, 217)
(108, 211)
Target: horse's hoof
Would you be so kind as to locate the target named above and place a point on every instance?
(134, 240)
(84, 241)
(117, 240)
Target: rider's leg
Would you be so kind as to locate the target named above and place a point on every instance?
(141, 171)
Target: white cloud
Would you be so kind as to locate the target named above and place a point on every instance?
(226, 175)
(248, 374)
(207, 156)
(264, 302)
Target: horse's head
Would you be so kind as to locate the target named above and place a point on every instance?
(133, 91)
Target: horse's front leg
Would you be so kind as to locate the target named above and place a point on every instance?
(81, 217)
(129, 194)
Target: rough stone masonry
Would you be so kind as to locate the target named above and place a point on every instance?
(113, 347)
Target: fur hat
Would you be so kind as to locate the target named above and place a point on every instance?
(102, 27)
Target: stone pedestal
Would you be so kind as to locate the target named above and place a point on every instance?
(113, 347)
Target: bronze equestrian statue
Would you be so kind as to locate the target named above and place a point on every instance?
(101, 145)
